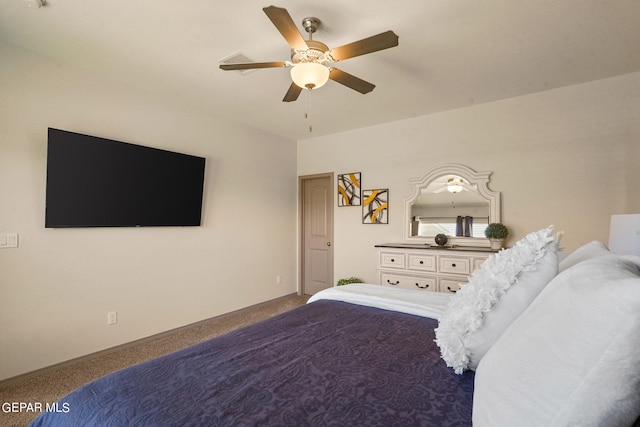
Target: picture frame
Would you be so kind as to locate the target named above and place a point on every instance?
(375, 206)
(349, 189)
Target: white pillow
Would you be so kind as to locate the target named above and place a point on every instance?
(583, 253)
(633, 258)
(495, 296)
(571, 359)
(592, 250)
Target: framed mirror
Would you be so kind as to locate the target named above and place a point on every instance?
(454, 200)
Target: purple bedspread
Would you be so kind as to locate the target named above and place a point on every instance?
(326, 363)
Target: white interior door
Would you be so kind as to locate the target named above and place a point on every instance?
(317, 233)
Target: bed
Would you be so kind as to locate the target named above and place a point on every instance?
(329, 362)
(530, 341)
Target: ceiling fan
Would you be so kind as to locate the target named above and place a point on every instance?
(452, 185)
(312, 61)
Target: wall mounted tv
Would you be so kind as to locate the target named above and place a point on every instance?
(97, 182)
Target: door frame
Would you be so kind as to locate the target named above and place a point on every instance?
(301, 242)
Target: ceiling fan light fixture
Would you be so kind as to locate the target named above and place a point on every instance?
(454, 185)
(310, 75)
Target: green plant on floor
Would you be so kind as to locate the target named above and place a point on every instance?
(349, 280)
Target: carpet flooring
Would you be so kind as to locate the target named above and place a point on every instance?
(53, 384)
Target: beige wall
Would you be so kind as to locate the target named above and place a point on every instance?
(567, 157)
(57, 287)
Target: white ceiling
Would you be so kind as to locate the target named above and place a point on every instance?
(452, 53)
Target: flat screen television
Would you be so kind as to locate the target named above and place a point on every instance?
(97, 182)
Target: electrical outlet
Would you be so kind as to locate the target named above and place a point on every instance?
(278, 280)
(112, 318)
(8, 240)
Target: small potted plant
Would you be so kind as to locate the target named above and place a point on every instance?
(496, 233)
(349, 280)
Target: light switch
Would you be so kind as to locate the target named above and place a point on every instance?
(8, 240)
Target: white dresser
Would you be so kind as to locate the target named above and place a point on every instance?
(415, 266)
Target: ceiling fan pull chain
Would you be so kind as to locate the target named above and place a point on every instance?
(306, 104)
(306, 107)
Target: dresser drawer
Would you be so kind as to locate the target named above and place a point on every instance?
(427, 283)
(451, 284)
(422, 262)
(392, 260)
(454, 265)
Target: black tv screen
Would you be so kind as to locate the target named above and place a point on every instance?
(97, 182)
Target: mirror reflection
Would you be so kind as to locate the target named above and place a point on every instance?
(451, 199)
(450, 205)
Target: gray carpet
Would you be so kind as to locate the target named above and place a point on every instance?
(51, 385)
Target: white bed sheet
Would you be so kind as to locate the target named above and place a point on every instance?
(416, 302)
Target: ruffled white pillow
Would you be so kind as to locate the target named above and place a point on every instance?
(497, 293)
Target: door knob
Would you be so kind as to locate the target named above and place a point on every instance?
(328, 243)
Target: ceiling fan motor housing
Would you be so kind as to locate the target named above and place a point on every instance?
(315, 53)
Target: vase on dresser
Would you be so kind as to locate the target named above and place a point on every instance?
(496, 243)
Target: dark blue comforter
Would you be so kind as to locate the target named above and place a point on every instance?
(326, 363)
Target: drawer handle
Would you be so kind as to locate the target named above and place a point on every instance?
(450, 290)
(421, 262)
(393, 260)
(391, 283)
(453, 265)
(422, 287)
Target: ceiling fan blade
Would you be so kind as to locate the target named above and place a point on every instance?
(293, 93)
(350, 81)
(283, 22)
(251, 65)
(364, 46)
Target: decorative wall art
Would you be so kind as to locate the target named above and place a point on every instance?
(349, 189)
(375, 206)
